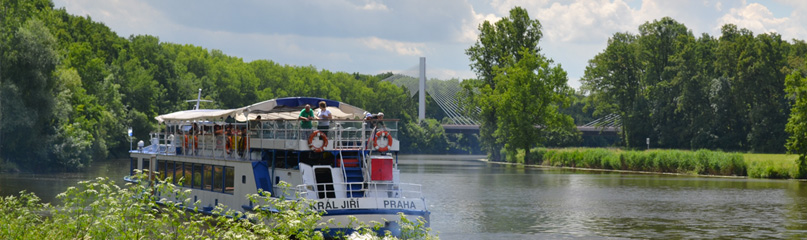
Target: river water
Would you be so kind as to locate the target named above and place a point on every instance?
(472, 199)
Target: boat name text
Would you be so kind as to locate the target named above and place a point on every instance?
(346, 204)
(399, 204)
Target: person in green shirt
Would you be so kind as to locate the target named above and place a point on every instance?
(306, 115)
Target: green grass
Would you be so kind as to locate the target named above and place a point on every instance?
(700, 162)
(771, 165)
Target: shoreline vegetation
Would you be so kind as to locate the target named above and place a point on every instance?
(696, 163)
(101, 209)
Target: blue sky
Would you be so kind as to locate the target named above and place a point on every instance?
(374, 36)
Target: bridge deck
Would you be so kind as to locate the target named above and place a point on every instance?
(586, 130)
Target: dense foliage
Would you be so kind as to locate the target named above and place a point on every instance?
(689, 92)
(71, 87)
(100, 209)
(518, 91)
(796, 88)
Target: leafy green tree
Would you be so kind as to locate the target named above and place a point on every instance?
(27, 93)
(796, 88)
(528, 96)
(500, 45)
(613, 81)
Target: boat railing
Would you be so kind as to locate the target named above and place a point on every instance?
(232, 140)
(368, 189)
(343, 134)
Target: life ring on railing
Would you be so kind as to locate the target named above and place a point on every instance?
(311, 141)
(380, 135)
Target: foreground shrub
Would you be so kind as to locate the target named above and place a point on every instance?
(100, 209)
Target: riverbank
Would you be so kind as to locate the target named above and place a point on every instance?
(701, 162)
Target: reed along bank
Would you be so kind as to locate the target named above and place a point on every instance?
(700, 162)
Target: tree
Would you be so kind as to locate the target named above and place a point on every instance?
(796, 88)
(613, 80)
(27, 92)
(528, 98)
(499, 45)
(518, 92)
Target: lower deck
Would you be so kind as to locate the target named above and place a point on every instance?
(343, 182)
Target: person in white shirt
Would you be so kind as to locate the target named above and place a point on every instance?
(324, 116)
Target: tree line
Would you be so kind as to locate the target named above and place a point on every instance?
(665, 84)
(71, 87)
(686, 92)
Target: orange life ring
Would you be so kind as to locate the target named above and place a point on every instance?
(311, 141)
(380, 135)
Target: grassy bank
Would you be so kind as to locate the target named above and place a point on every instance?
(701, 162)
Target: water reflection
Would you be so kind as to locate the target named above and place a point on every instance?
(470, 199)
(47, 186)
(476, 200)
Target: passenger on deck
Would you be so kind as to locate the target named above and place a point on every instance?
(325, 117)
(373, 119)
(306, 115)
(255, 124)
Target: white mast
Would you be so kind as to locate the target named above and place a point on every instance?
(198, 100)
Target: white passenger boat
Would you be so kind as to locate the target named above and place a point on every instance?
(348, 169)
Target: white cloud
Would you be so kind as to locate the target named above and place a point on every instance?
(585, 21)
(755, 17)
(470, 27)
(375, 6)
(400, 48)
(124, 17)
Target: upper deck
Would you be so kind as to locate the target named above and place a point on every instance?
(270, 125)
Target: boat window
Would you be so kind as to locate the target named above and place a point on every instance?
(132, 165)
(187, 174)
(218, 178)
(208, 177)
(169, 171)
(229, 180)
(161, 169)
(198, 175)
(146, 165)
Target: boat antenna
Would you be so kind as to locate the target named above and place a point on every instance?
(198, 100)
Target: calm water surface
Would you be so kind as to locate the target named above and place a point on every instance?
(47, 186)
(476, 200)
(471, 199)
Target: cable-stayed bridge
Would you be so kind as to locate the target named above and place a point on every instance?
(444, 94)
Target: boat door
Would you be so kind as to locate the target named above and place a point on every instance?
(308, 180)
(324, 178)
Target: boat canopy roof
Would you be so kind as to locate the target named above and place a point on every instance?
(274, 109)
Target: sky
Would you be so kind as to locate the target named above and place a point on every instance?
(375, 36)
